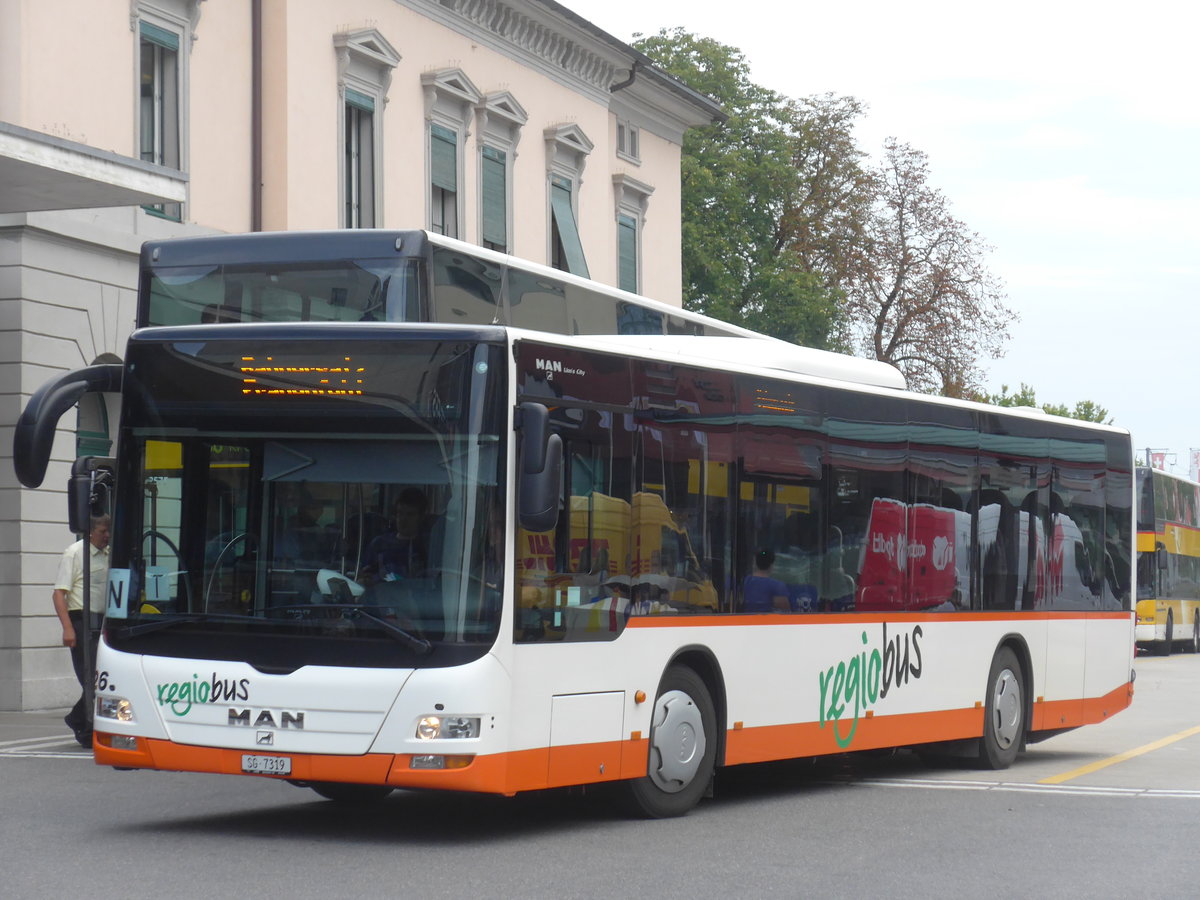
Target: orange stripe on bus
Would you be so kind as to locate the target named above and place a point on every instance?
(1087, 711)
(500, 773)
(771, 742)
(873, 731)
(543, 767)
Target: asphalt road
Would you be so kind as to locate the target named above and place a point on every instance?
(1107, 811)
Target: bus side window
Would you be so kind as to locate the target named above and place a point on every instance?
(573, 581)
(536, 302)
(465, 291)
(682, 503)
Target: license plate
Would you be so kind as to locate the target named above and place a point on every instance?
(266, 765)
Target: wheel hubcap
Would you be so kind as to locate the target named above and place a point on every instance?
(677, 741)
(1006, 709)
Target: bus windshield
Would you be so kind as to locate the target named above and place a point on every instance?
(297, 525)
(364, 290)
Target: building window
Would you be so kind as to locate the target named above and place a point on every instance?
(360, 160)
(494, 199)
(567, 149)
(450, 98)
(566, 249)
(498, 120)
(629, 142)
(365, 63)
(443, 168)
(627, 253)
(158, 104)
(631, 198)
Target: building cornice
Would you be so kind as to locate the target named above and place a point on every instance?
(549, 38)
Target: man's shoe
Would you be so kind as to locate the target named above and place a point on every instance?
(84, 738)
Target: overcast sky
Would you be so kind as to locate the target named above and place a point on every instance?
(1065, 133)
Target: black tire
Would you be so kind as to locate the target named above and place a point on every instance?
(1004, 712)
(1165, 646)
(340, 792)
(683, 748)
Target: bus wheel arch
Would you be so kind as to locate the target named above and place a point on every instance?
(685, 739)
(1007, 707)
(702, 661)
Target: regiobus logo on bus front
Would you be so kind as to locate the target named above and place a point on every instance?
(868, 677)
(180, 696)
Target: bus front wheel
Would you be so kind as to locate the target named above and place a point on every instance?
(683, 747)
(1004, 712)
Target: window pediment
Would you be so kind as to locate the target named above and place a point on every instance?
(502, 107)
(631, 194)
(451, 91)
(567, 149)
(366, 52)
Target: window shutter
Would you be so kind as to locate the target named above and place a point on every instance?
(495, 197)
(359, 100)
(160, 36)
(443, 158)
(568, 231)
(627, 254)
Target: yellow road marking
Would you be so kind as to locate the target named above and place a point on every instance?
(1120, 757)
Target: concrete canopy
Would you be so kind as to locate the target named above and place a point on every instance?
(42, 172)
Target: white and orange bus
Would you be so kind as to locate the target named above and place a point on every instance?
(1168, 561)
(358, 547)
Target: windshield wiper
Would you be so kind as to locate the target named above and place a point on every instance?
(170, 620)
(415, 643)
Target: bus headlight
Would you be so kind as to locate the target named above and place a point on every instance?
(114, 708)
(432, 728)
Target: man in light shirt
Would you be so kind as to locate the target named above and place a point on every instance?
(68, 604)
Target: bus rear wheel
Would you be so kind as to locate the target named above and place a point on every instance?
(341, 792)
(1004, 712)
(683, 748)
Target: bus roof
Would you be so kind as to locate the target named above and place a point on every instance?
(764, 354)
(767, 353)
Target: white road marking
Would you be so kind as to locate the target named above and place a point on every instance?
(1021, 788)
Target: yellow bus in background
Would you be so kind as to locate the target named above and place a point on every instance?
(1168, 561)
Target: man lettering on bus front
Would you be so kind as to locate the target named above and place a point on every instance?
(68, 604)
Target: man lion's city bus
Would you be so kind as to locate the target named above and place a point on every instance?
(391, 511)
(1168, 561)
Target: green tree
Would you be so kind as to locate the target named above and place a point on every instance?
(788, 232)
(1084, 410)
(826, 222)
(740, 182)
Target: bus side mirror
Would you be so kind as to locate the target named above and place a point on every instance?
(539, 469)
(34, 434)
(1160, 557)
(88, 492)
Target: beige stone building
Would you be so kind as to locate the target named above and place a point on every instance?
(512, 124)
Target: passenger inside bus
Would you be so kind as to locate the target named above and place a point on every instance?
(760, 591)
(403, 551)
(307, 542)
